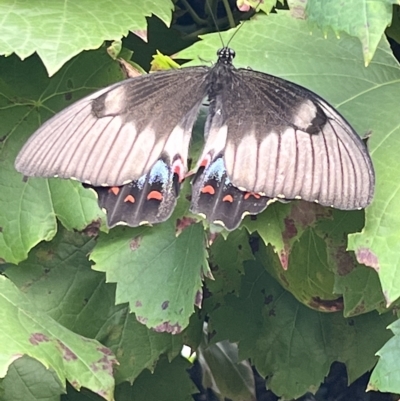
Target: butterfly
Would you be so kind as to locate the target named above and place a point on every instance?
(266, 139)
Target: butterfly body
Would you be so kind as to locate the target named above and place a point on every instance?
(265, 139)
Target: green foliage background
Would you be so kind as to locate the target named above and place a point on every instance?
(110, 311)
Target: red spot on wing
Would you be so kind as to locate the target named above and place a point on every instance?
(208, 189)
(130, 199)
(157, 195)
(205, 162)
(178, 168)
(227, 198)
(114, 190)
(248, 194)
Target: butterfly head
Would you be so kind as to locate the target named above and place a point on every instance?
(226, 55)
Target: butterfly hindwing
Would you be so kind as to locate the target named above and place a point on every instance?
(148, 200)
(215, 198)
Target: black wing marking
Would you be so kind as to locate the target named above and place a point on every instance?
(148, 200)
(283, 141)
(215, 198)
(117, 134)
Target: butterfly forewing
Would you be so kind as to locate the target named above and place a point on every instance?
(116, 135)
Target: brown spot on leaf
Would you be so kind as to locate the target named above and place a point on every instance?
(327, 305)
(68, 96)
(366, 256)
(212, 237)
(92, 230)
(138, 304)
(105, 363)
(37, 338)
(166, 327)
(164, 305)
(183, 223)
(360, 309)
(268, 299)
(284, 258)
(344, 260)
(271, 312)
(307, 213)
(68, 355)
(135, 243)
(142, 33)
(141, 319)
(290, 229)
(198, 299)
(105, 350)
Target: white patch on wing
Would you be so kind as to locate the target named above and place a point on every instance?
(215, 144)
(304, 114)
(115, 101)
(176, 143)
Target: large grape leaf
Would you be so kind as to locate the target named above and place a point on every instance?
(367, 97)
(159, 273)
(82, 361)
(363, 19)
(28, 380)
(58, 280)
(290, 344)
(386, 375)
(59, 30)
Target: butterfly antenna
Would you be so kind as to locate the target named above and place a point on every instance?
(215, 22)
(240, 26)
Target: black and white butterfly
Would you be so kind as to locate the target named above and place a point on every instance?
(266, 139)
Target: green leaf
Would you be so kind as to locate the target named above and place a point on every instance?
(224, 373)
(169, 382)
(386, 375)
(58, 279)
(138, 348)
(363, 19)
(28, 380)
(291, 344)
(28, 210)
(82, 361)
(226, 260)
(58, 31)
(159, 274)
(361, 291)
